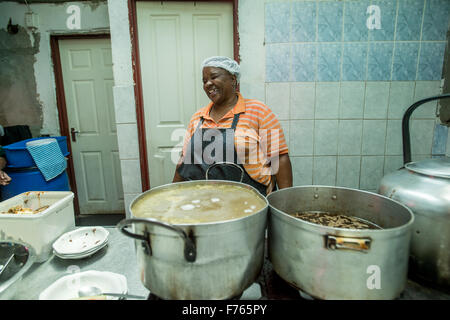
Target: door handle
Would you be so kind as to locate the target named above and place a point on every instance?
(74, 132)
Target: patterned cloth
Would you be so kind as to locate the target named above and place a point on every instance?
(48, 157)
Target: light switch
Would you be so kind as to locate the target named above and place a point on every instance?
(32, 20)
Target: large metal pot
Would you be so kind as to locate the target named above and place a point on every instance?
(199, 261)
(336, 263)
(424, 187)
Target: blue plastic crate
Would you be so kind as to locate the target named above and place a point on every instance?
(17, 155)
(29, 179)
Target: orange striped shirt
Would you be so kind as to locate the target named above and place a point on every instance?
(259, 138)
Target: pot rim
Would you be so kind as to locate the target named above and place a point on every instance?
(317, 227)
(168, 185)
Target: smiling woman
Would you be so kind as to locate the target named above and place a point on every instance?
(234, 138)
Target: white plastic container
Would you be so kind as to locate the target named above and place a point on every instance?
(41, 229)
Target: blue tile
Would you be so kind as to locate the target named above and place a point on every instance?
(354, 62)
(431, 60)
(304, 62)
(278, 62)
(439, 139)
(329, 21)
(405, 61)
(409, 19)
(304, 21)
(435, 21)
(329, 62)
(387, 10)
(277, 22)
(355, 28)
(379, 61)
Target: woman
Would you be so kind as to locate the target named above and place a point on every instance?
(233, 138)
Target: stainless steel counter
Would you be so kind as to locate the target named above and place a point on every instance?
(118, 257)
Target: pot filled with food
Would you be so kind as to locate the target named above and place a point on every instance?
(339, 243)
(199, 239)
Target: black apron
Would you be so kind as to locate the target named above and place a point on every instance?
(201, 165)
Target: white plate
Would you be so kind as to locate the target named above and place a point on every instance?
(67, 287)
(82, 255)
(81, 240)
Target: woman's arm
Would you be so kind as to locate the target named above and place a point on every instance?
(4, 178)
(284, 174)
(177, 177)
(2, 163)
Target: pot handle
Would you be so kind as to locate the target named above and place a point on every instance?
(190, 252)
(227, 163)
(345, 243)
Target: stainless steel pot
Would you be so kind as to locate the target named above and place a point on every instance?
(424, 187)
(198, 261)
(336, 263)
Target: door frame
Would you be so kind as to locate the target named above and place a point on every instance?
(61, 102)
(136, 66)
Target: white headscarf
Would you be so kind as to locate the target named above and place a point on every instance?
(225, 63)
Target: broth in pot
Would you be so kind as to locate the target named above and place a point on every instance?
(192, 204)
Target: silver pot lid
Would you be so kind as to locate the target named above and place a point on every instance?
(432, 167)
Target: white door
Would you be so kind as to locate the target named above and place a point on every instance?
(174, 39)
(88, 81)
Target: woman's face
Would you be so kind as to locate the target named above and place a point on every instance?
(219, 85)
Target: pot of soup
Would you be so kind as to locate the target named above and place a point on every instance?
(339, 243)
(199, 239)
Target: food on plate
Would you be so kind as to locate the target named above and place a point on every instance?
(196, 203)
(335, 220)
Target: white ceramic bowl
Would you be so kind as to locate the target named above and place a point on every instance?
(67, 287)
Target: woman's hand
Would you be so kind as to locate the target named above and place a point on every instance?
(4, 178)
(177, 177)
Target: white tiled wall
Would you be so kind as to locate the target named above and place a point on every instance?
(349, 133)
(350, 86)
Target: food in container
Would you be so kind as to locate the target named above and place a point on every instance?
(189, 203)
(19, 209)
(329, 262)
(38, 229)
(224, 254)
(336, 220)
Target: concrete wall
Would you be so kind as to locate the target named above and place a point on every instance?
(27, 94)
(18, 96)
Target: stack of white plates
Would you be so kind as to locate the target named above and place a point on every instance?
(80, 243)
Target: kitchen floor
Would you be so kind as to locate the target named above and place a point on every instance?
(98, 220)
